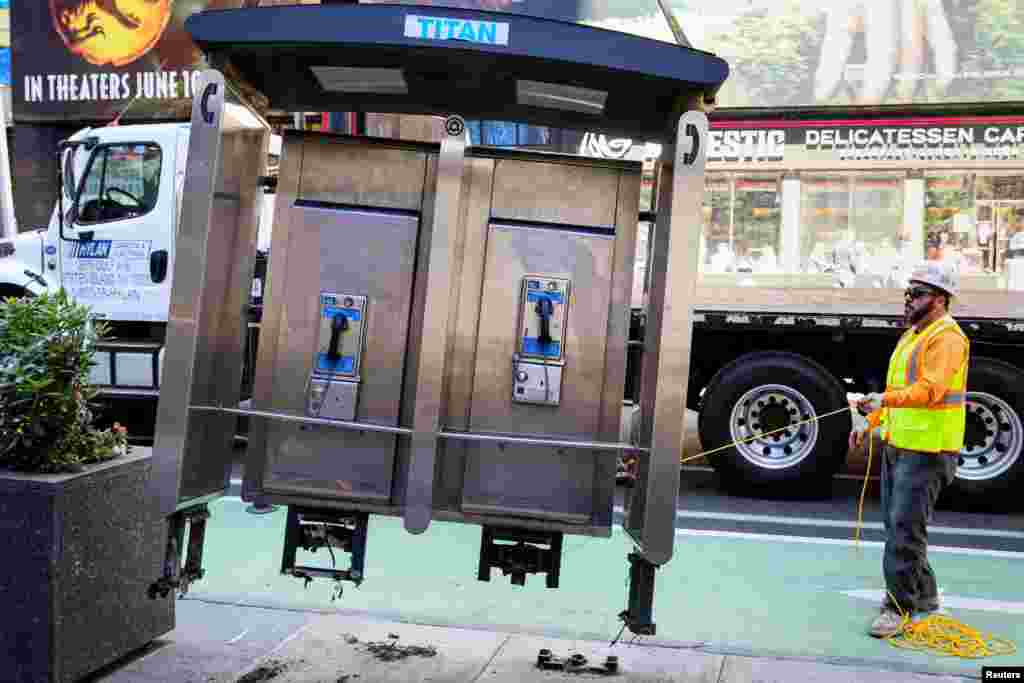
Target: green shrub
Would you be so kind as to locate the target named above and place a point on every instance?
(47, 345)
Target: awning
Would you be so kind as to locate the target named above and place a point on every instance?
(480, 65)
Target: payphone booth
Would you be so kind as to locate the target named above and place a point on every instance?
(444, 333)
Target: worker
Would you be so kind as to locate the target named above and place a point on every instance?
(921, 419)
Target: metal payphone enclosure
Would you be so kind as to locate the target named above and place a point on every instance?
(347, 225)
(354, 219)
(538, 218)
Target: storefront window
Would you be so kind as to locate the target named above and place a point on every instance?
(971, 218)
(951, 229)
(998, 214)
(742, 221)
(852, 224)
(757, 217)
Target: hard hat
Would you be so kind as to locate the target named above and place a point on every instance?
(939, 274)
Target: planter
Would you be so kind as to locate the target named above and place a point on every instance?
(79, 552)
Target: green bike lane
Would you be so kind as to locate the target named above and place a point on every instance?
(728, 594)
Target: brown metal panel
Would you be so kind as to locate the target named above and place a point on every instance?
(331, 248)
(374, 175)
(412, 356)
(564, 193)
(531, 480)
(230, 252)
(627, 216)
(651, 512)
(478, 181)
(271, 322)
(512, 253)
(442, 265)
(359, 252)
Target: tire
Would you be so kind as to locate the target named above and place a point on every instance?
(7, 291)
(990, 471)
(798, 462)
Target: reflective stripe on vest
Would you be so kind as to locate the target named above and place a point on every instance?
(937, 428)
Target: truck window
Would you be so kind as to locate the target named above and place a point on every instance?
(122, 181)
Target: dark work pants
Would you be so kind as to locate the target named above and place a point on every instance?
(911, 483)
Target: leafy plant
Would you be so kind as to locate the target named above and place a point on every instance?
(772, 54)
(47, 344)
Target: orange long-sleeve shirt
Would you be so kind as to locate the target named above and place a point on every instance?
(943, 355)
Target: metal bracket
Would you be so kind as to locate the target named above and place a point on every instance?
(175, 577)
(335, 530)
(520, 552)
(576, 663)
(639, 615)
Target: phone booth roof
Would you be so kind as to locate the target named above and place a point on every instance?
(436, 60)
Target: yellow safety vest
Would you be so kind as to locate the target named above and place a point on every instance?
(935, 429)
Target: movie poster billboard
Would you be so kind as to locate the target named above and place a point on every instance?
(76, 60)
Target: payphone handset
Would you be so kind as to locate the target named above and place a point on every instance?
(334, 379)
(540, 351)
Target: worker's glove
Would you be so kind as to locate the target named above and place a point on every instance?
(857, 438)
(870, 403)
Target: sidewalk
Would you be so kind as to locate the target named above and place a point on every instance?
(220, 643)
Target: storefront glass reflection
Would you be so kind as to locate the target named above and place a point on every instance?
(970, 219)
(852, 224)
(742, 221)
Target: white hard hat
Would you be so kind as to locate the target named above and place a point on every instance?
(939, 274)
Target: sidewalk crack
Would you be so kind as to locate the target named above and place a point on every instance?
(496, 652)
(721, 672)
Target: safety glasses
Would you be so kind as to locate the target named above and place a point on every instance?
(913, 293)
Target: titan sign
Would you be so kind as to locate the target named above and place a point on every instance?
(95, 59)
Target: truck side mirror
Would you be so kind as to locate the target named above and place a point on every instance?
(158, 265)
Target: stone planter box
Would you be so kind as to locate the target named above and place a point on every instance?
(79, 551)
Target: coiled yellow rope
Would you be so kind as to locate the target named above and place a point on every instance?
(937, 634)
(944, 636)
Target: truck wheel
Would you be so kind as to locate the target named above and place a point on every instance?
(991, 465)
(767, 391)
(7, 291)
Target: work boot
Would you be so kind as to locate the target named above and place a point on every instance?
(887, 623)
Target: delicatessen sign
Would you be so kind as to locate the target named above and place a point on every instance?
(874, 141)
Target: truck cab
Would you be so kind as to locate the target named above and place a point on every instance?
(114, 251)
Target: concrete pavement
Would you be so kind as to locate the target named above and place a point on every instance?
(729, 607)
(217, 643)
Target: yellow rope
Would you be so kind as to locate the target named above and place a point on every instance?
(763, 434)
(863, 493)
(937, 634)
(944, 636)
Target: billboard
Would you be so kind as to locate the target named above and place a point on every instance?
(5, 42)
(839, 53)
(94, 59)
(826, 53)
(563, 10)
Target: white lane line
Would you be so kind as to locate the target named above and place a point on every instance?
(954, 601)
(835, 523)
(298, 632)
(238, 637)
(839, 541)
(810, 540)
